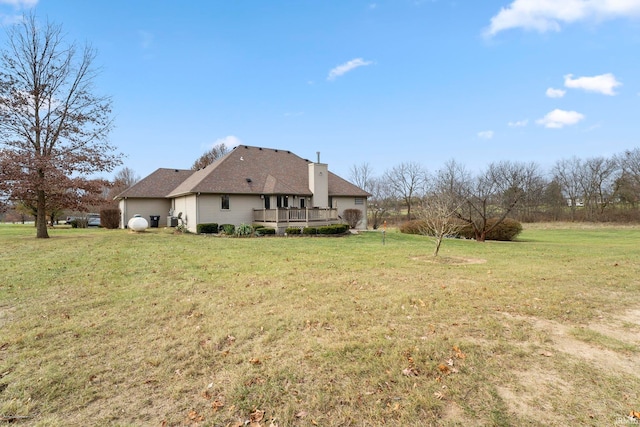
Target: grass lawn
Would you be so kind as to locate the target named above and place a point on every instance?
(109, 327)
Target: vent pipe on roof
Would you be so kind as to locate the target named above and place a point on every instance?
(318, 153)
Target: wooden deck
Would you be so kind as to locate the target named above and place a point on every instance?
(295, 217)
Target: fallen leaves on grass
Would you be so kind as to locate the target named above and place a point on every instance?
(444, 368)
(253, 381)
(448, 367)
(194, 416)
(410, 372)
(458, 353)
(256, 416)
(217, 405)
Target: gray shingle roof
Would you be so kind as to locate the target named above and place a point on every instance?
(244, 170)
(157, 185)
(257, 170)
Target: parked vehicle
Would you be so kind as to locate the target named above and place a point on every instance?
(93, 220)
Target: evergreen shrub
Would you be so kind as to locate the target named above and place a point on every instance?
(207, 228)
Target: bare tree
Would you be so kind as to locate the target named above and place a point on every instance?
(553, 200)
(491, 195)
(362, 176)
(568, 173)
(407, 181)
(599, 183)
(125, 178)
(629, 180)
(380, 202)
(454, 180)
(438, 218)
(52, 125)
(210, 156)
(629, 162)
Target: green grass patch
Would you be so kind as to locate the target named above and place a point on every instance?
(605, 341)
(110, 327)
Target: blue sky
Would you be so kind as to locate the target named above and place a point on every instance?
(378, 81)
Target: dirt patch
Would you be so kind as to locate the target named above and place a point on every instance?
(562, 341)
(453, 414)
(6, 313)
(624, 327)
(531, 392)
(449, 260)
(530, 395)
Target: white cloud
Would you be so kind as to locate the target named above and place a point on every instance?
(519, 123)
(346, 67)
(485, 134)
(558, 119)
(604, 83)
(20, 3)
(555, 93)
(9, 19)
(549, 15)
(230, 141)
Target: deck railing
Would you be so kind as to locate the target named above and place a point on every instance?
(286, 215)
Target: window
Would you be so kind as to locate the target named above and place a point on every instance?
(359, 201)
(283, 201)
(302, 203)
(267, 202)
(225, 201)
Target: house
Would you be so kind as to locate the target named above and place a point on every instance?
(250, 185)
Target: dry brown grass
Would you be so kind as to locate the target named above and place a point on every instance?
(110, 328)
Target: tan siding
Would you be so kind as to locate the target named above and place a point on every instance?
(180, 206)
(145, 208)
(191, 212)
(343, 203)
(240, 209)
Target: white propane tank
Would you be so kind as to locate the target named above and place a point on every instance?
(137, 223)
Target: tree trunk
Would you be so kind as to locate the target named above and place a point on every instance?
(41, 218)
(438, 243)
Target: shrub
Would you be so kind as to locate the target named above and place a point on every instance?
(207, 228)
(352, 217)
(244, 230)
(110, 218)
(227, 228)
(293, 230)
(415, 226)
(310, 230)
(507, 230)
(326, 229)
(333, 229)
(80, 223)
(263, 231)
(339, 228)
